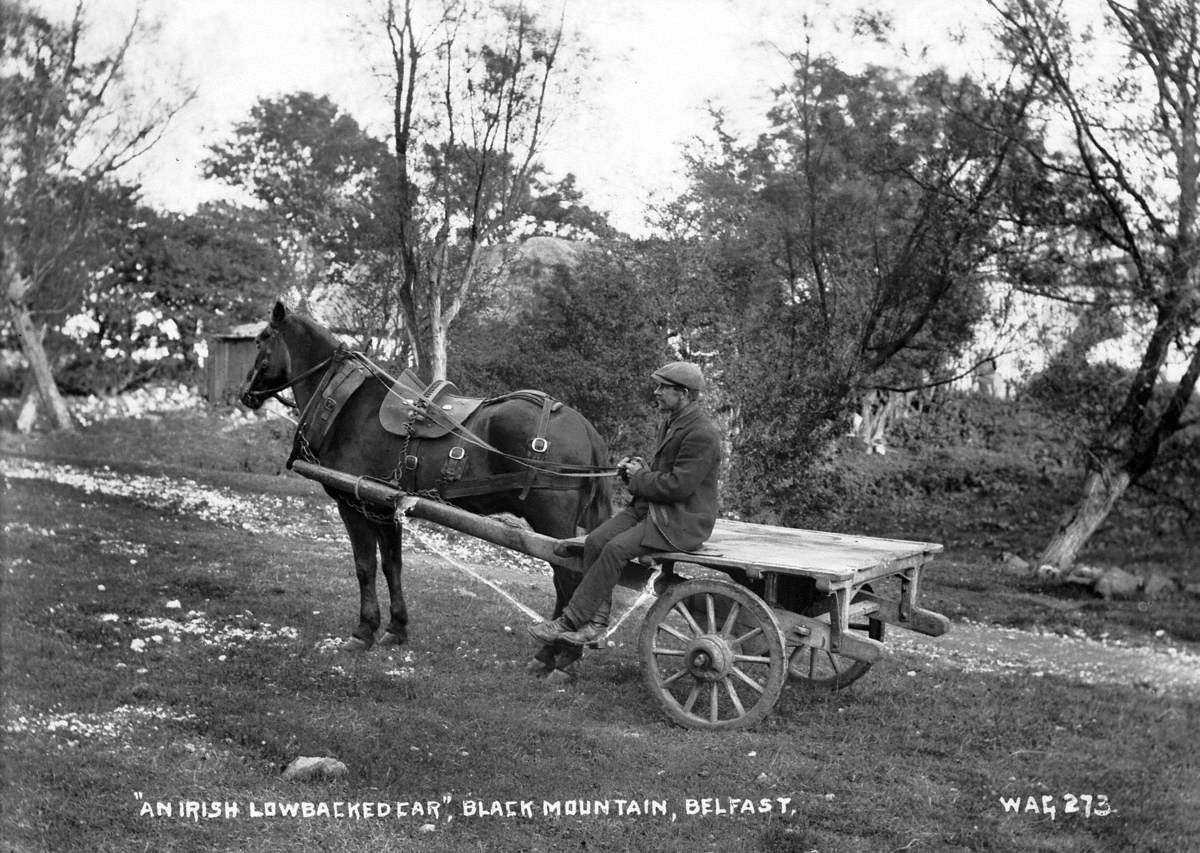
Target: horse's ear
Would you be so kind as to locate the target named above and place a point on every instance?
(278, 313)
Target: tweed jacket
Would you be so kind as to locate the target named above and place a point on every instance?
(680, 485)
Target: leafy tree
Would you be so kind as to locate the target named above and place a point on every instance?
(1118, 227)
(66, 127)
(315, 169)
(846, 247)
(173, 277)
(207, 269)
(471, 92)
(558, 210)
(589, 334)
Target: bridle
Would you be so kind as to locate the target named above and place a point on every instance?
(264, 394)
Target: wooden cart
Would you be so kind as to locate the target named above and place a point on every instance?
(734, 620)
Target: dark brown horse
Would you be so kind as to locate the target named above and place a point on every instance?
(294, 351)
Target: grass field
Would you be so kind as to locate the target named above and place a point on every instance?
(167, 652)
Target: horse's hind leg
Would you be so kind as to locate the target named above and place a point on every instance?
(390, 540)
(553, 514)
(363, 541)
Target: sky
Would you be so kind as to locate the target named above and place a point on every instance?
(656, 66)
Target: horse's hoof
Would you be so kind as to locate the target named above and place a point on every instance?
(355, 644)
(390, 638)
(560, 678)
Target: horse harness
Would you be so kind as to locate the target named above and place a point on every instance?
(424, 418)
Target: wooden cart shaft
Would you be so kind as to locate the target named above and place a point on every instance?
(479, 526)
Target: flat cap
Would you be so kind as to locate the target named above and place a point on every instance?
(680, 373)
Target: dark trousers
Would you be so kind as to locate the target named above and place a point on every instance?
(605, 552)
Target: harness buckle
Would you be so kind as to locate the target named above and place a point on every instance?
(540, 445)
(410, 463)
(329, 404)
(457, 453)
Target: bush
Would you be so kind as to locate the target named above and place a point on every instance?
(1079, 394)
(586, 338)
(1172, 487)
(1018, 427)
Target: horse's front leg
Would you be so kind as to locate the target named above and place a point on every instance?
(363, 541)
(390, 542)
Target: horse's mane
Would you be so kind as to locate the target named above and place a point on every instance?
(310, 331)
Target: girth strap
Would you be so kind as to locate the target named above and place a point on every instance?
(539, 445)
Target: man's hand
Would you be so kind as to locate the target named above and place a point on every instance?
(630, 466)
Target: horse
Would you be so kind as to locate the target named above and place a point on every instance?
(296, 352)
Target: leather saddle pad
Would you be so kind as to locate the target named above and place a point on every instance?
(424, 412)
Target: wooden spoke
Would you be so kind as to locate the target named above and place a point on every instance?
(671, 679)
(748, 636)
(751, 659)
(683, 611)
(658, 650)
(731, 619)
(733, 696)
(758, 687)
(678, 635)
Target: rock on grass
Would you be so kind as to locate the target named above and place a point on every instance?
(307, 768)
(1118, 583)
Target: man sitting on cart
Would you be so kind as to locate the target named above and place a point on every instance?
(674, 505)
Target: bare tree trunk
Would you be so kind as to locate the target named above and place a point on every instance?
(1101, 491)
(27, 408)
(438, 352)
(39, 367)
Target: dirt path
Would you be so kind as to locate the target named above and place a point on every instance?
(969, 647)
(973, 647)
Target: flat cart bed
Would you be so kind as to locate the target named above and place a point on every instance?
(831, 559)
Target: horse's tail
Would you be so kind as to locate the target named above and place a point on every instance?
(595, 505)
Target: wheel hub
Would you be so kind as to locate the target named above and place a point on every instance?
(708, 658)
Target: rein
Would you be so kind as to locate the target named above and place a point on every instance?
(274, 392)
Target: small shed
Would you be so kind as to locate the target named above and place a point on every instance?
(230, 357)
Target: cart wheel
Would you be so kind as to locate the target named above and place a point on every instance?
(712, 655)
(828, 670)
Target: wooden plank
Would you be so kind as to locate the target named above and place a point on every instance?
(832, 556)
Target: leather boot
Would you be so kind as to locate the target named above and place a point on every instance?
(589, 633)
(548, 632)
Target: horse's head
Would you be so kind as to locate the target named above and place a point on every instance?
(272, 370)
